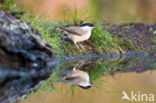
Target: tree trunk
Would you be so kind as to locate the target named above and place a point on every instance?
(23, 56)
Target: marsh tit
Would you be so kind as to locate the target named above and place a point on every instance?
(78, 77)
(79, 33)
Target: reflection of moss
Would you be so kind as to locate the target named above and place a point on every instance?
(54, 77)
(154, 32)
(96, 67)
(105, 67)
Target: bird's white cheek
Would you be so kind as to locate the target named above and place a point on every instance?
(86, 28)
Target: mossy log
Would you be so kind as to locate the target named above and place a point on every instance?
(23, 55)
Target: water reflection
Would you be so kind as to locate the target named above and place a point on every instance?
(110, 78)
(78, 77)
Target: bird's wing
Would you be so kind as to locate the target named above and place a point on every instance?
(75, 30)
(71, 78)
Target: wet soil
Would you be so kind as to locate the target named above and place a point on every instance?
(143, 36)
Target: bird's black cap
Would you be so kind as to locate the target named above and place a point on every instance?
(87, 24)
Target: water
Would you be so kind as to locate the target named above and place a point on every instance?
(110, 77)
(107, 90)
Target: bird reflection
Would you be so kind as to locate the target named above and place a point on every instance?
(77, 77)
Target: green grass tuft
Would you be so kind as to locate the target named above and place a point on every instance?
(104, 41)
(9, 5)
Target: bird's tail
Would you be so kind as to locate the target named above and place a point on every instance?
(59, 29)
(62, 30)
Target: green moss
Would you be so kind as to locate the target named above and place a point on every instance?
(101, 40)
(9, 5)
(104, 41)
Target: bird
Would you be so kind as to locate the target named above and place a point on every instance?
(77, 77)
(79, 33)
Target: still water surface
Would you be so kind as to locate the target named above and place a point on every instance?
(137, 75)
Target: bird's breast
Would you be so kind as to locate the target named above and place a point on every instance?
(80, 38)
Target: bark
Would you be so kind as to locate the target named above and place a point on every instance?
(23, 56)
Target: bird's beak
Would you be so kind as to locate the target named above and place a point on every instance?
(94, 27)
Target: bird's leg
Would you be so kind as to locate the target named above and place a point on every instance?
(81, 46)
(80, 65)
(76, 45)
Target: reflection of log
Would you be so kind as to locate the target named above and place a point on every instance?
(23, 54)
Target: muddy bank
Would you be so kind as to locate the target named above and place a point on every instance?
(143, 36)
